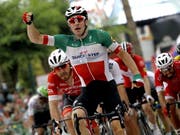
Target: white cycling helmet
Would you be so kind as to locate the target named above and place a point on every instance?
(164, 60)
(57, 58)
(75, 10)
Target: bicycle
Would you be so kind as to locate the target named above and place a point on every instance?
(46, 126)
(142, 121)
(49, 127)
(177, 103)
(156, 107)
(102, 121)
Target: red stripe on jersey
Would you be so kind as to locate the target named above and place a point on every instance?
(45, 39)
(117, 50)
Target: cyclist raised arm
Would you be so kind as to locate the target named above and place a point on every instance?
(167, 79)
(79, 28)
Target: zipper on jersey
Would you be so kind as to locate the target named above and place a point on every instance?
(82, 45)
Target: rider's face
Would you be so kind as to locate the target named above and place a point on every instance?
(77, 24)
(168, 72)
(63, 71)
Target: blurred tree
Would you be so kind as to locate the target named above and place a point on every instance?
(18, 55)
(132, 26)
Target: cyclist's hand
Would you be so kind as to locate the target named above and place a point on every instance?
(27, 18)
(56, 127)
(165, 111)
(149, 98)
(138, 81)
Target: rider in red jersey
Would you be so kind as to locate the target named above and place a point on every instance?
(62, 81)
(167, 79)
(138, 93)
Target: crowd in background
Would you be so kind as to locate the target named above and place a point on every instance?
(13, 106)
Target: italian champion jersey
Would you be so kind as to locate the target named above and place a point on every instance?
(88, 56)
(170, 85)
(58, 87)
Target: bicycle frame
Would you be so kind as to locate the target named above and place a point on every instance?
(144, 127)
(102, 119)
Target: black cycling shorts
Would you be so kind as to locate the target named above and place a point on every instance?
(68, 100)
(135, 94)
(98, 91)
(41, 118)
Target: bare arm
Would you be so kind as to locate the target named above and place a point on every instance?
(128, 61)
(123, 94)
(34, 35)
(162, 99)
(54, 110)
(147, 86)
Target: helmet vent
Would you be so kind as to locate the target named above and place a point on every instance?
(55, 59)
(59, 58)
(51, 61)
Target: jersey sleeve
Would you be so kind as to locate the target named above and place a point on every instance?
(158, 82)
(59, 41)
(104, 38)
(30, 110)
(53, 90)
(116, 71)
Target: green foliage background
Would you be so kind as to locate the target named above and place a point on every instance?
(20, 60)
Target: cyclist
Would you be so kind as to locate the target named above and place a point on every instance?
(62, 81)
(137, 93)
(167, 79)
(164, 119)
(87, 52)
(38, 110)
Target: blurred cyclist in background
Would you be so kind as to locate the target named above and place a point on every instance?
(38, 110)
(165, 120)
(138, 93)
(167, 80)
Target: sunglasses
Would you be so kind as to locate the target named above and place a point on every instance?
(78, 18)
(166, 69)
(62, 66)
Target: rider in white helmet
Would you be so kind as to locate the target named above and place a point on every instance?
(62, 81)
(167, 79)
